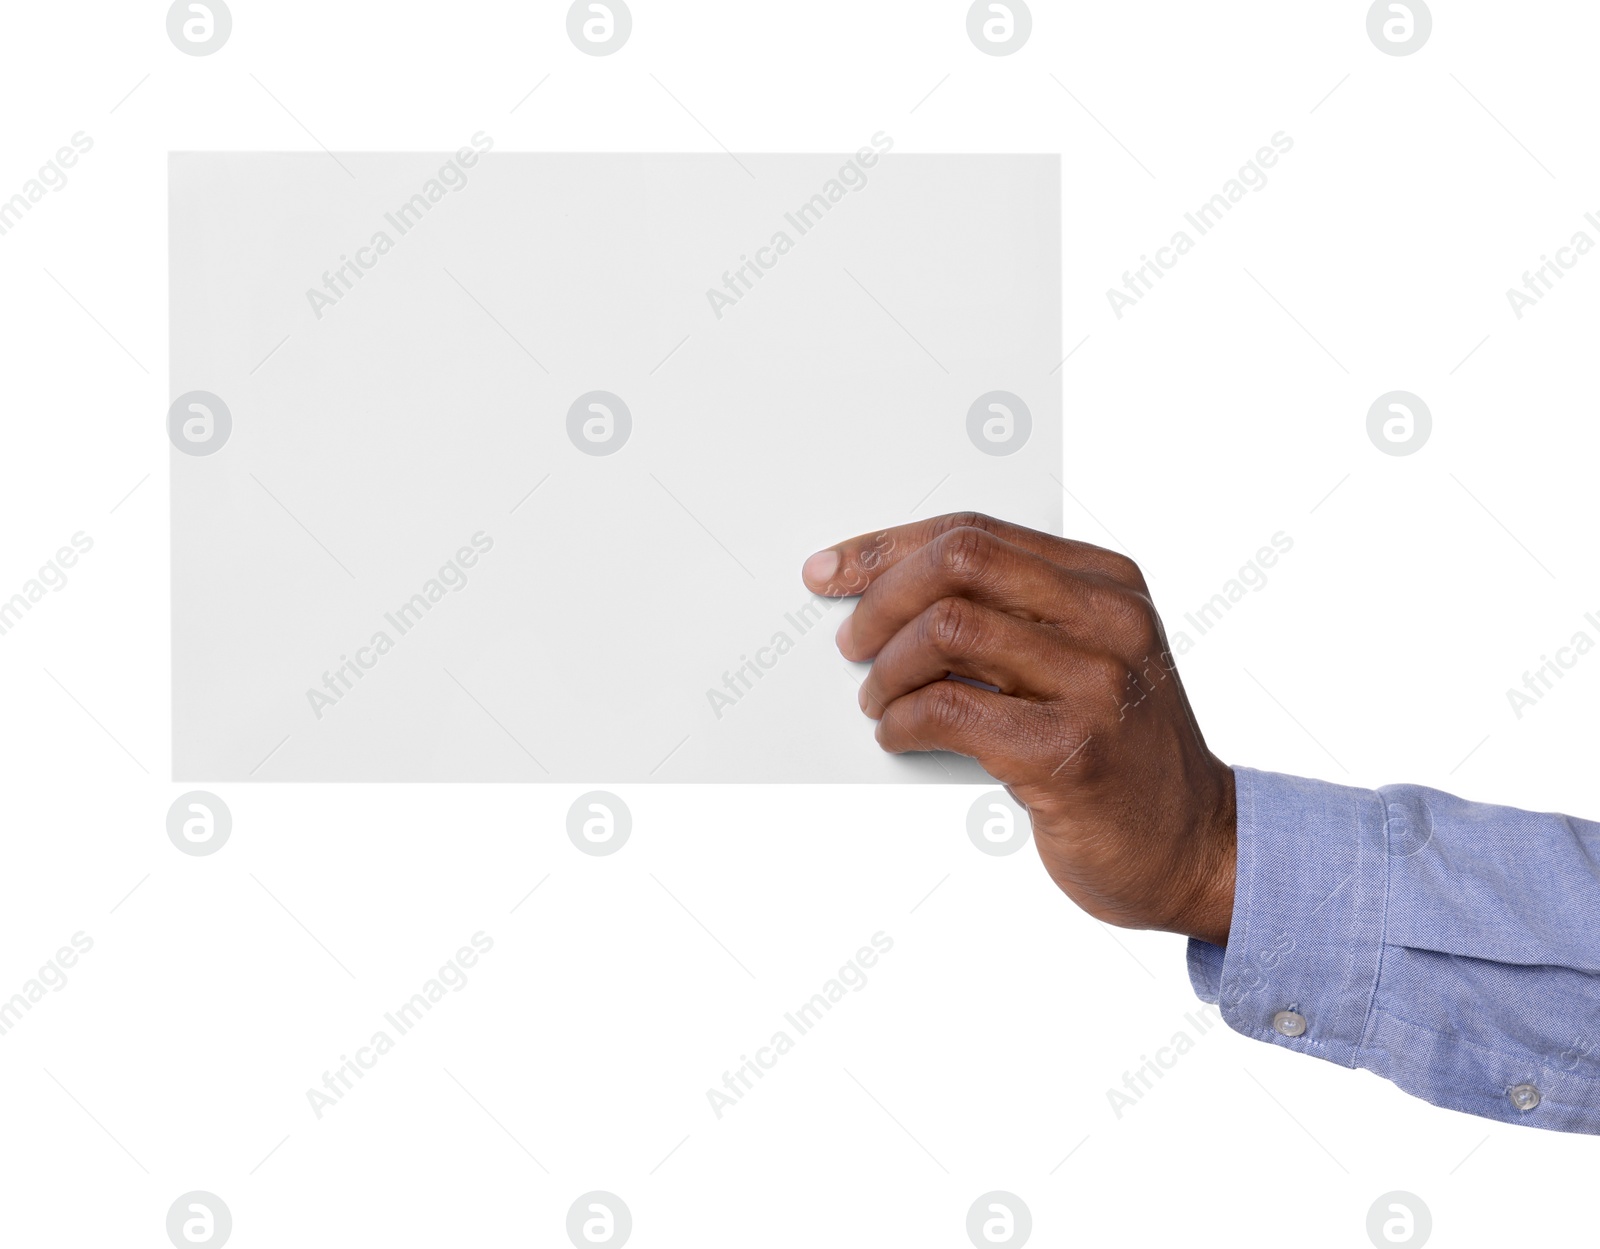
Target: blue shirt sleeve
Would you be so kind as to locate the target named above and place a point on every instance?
(1448, 946)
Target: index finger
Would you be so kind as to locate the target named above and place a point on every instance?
(850, 567)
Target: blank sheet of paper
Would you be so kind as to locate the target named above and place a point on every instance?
(501, 467)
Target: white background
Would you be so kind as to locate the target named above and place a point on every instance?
(1198, 425)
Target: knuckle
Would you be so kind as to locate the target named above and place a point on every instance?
(947, 707)
(1125, 569)
(1130, 618)
(965, 553)
(1109, 677)
(1145, 633)
(971, 520)
(950, 626)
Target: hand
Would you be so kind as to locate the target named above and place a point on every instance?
(1089, 730)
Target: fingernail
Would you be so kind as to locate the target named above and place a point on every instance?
(842, 638)
(820, 567)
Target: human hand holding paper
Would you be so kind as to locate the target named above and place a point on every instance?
(1087, 726)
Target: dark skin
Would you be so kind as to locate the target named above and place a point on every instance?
(1089, 728)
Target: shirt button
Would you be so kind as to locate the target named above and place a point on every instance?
(1525, 1096)
(1291, 1023)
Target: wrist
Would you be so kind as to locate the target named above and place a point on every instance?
(1207, 909)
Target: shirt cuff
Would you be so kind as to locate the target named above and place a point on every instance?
(1479, 1000)
(1301, 965)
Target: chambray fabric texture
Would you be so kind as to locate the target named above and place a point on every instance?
(1451, 947)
